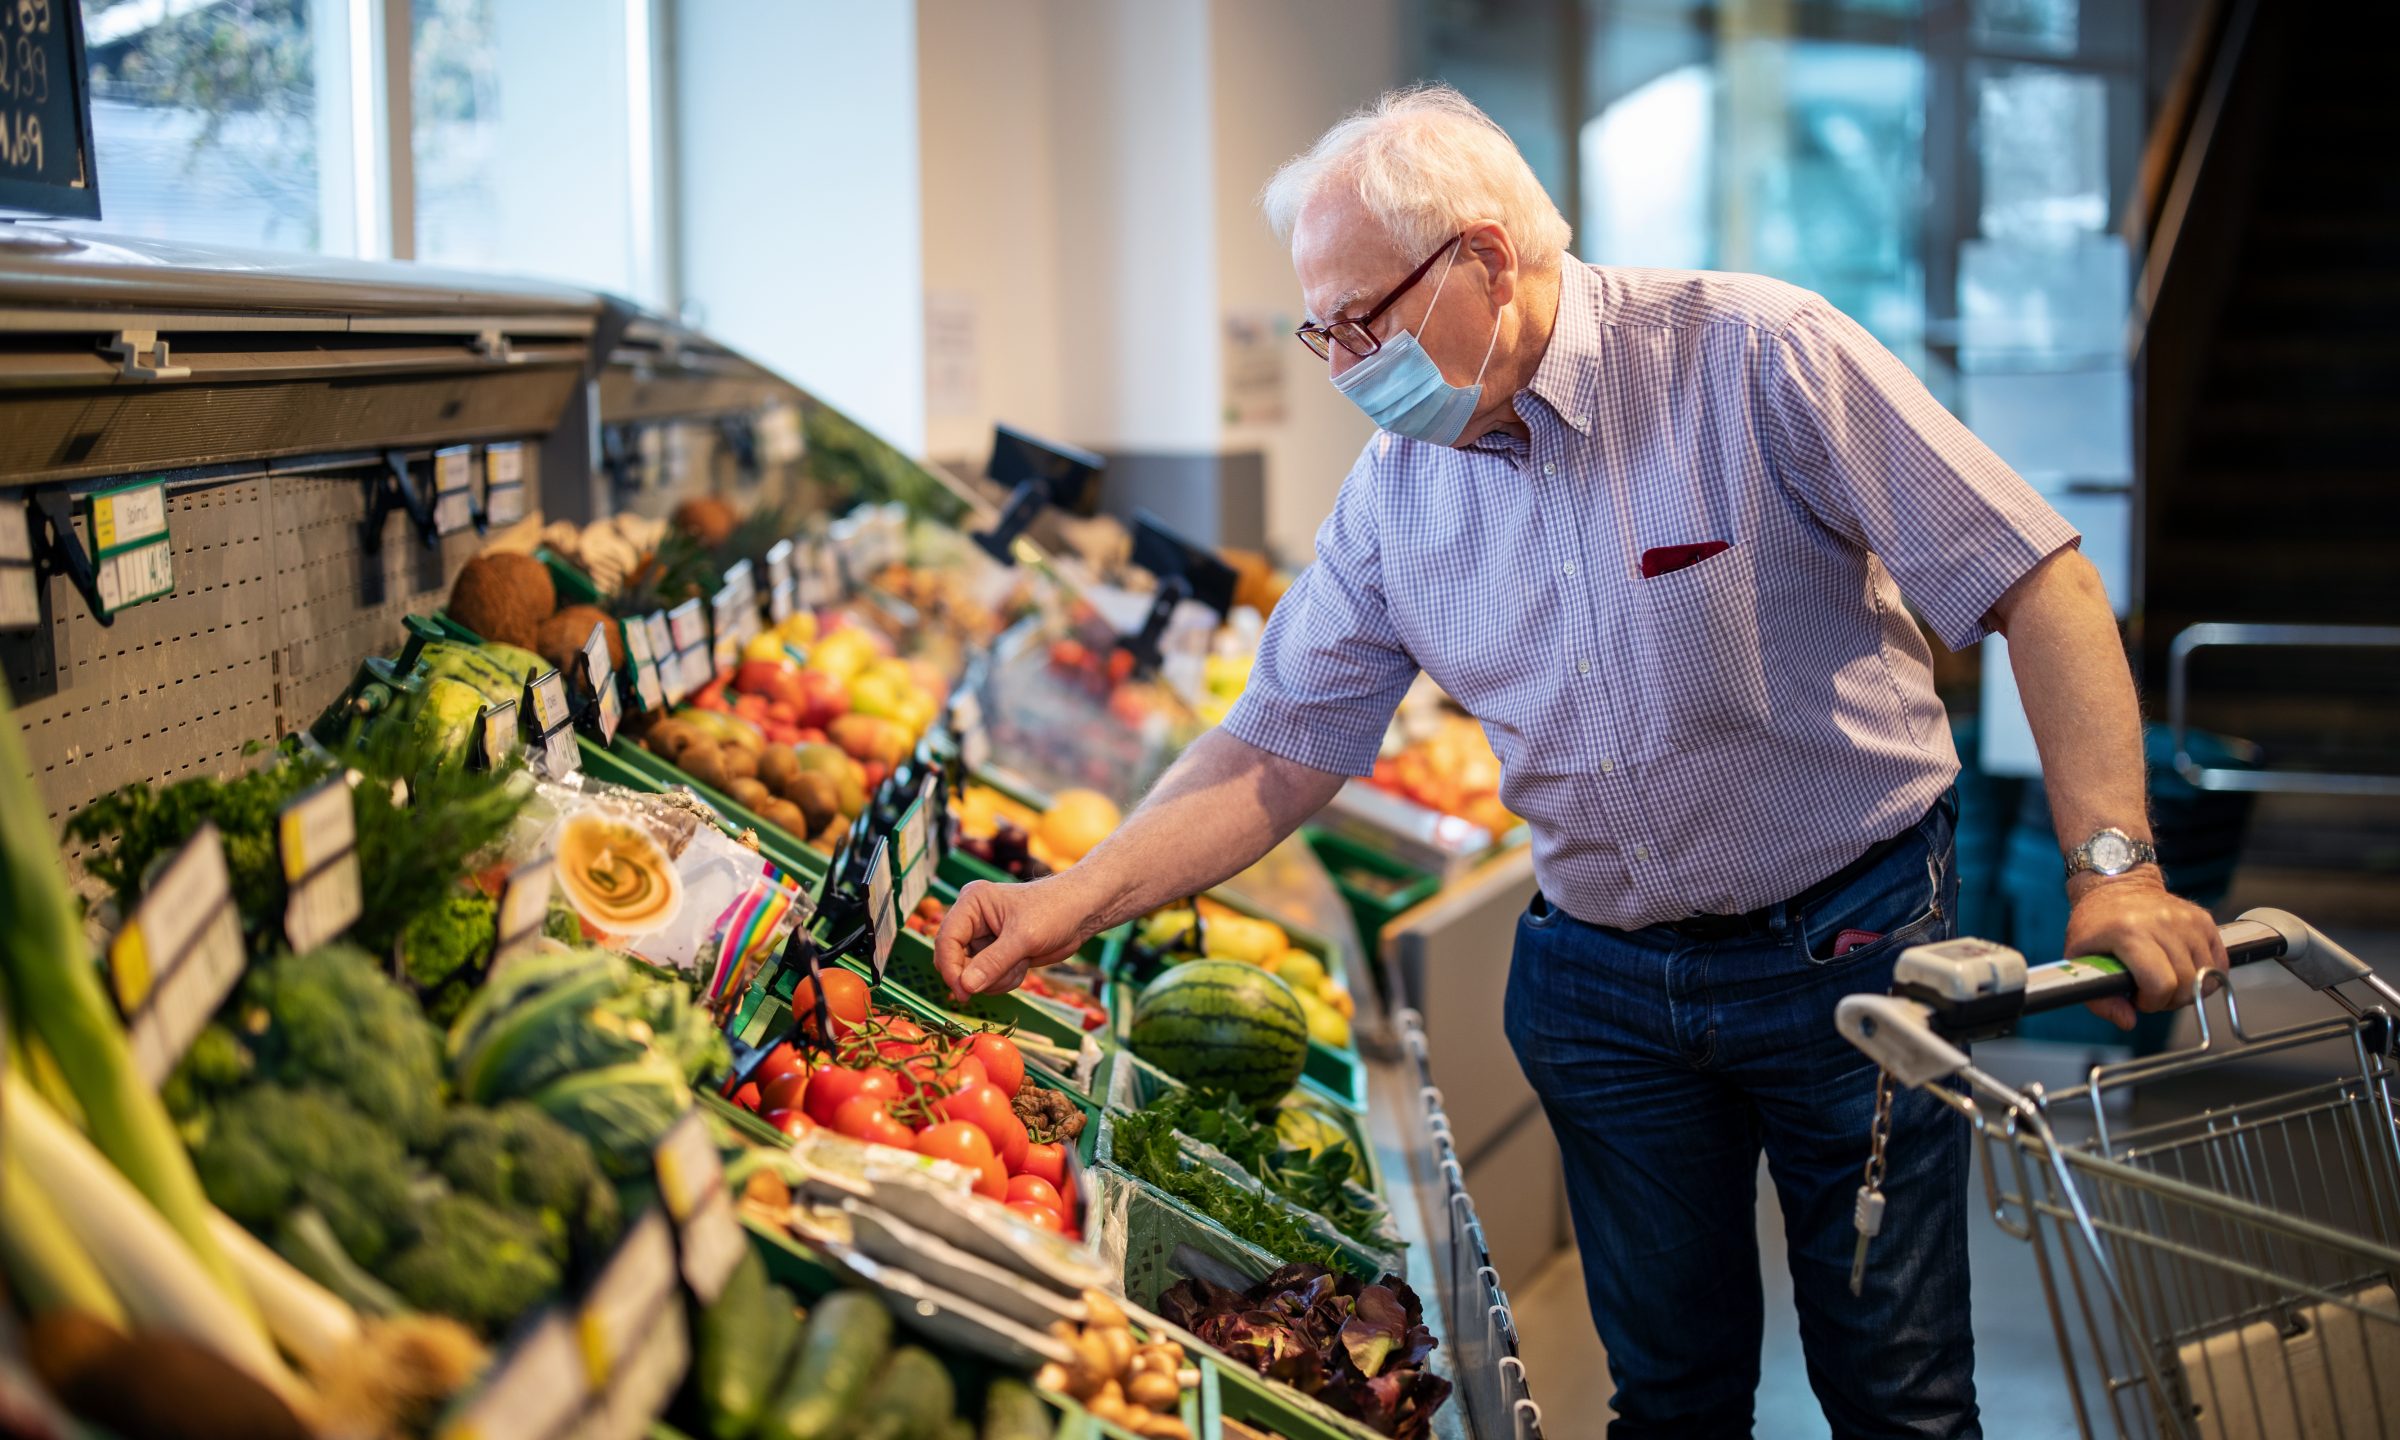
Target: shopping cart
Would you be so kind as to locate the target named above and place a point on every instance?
(2215, 1268)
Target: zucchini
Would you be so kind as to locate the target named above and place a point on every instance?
(746, 1340)
(1011, 1411)
(911, 1400)
(849, 1332)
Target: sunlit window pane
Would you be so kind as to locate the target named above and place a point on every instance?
(204, 120)
(2049, 25)
(2042, 138)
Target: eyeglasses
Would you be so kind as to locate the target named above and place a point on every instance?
(1353, 335)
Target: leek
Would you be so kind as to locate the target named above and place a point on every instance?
(54, 987)
(40, 1255)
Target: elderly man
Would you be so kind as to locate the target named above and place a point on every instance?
(1656, 530)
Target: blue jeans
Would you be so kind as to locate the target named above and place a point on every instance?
(1666, 1065)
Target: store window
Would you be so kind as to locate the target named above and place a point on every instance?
(206, 121)
(531, 140)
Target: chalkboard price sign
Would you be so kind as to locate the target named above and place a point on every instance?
(45, 112)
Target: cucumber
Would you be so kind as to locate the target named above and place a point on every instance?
(1011, 1411)
(957, 1427)
(848, 1335)
(911, 1400)
(746, 1340)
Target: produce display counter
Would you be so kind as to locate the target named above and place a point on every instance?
(637, 894)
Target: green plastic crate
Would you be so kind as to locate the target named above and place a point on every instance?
(1360, 1260)
(574, 587)
(1336, 1072)
(1127, 1082)
(1371, 910)
(1230, 1392)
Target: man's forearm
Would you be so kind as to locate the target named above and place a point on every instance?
(2079, 696)
(1210, 817)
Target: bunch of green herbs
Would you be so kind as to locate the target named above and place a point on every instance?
(1146, 1146)
(1327, 1181)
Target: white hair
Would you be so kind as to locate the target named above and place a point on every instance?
(1428, 164)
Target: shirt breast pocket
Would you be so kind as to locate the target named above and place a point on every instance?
(1700, 663)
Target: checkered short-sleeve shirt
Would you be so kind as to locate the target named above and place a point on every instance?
(1718, 737)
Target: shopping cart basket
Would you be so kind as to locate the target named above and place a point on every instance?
(2222, 1271)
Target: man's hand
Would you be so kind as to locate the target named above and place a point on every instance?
(995, 933)
(2165, 941)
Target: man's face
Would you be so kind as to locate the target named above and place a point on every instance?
(1347, 264)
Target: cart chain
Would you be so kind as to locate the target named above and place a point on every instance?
(1868, 1215)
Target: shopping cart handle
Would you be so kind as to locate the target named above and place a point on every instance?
(1898, 1034)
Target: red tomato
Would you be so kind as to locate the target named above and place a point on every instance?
(790, 1122)
(982, 1106)
(1035, 1188)
(1038, 1215)
(747, 1096)
(993, 1185)
(926, 1069)
(780, 1061)
(901, 1039)
(1013, 1145)
(862, 1117)
(1047, 1161)
(1001, 1061)
(834, 1085)
(785, 1092)
(957, 1142)
(845, 999)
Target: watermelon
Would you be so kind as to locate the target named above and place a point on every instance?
(1223, 1025)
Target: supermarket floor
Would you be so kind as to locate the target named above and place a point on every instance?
(2017, 1371)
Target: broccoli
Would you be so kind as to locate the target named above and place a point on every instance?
(476, 1264)
(518, 1158)
(333, 1019)
(269, 1149)
(216, 1065)
(444, 944)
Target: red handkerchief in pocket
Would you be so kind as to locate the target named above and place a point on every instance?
(1667, 559)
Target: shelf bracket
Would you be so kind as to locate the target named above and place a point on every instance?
(493, 345)
(141, 355)
(56, 551)
(392, 489)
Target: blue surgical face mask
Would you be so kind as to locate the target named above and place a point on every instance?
(1403, 391)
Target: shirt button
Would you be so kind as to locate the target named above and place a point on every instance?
(1641, 852)
(1549, 469)
(1570, 567)
(1583, 667)
(1608, 767)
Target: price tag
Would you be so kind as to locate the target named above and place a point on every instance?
(503, 484)
(687, 625)
(779, 564)
(912, 834)
(638, 1279)
(713, 1244)
(551, 725)
(689, 1168)
(495, 734)
(644, 1383)
(725, 621)
(453, 489)
(535, 1391)
(600, 679)
(317, 832)
(524, 905)
(20, 587)
(178, 957)
(881, 920)
(778, 431)
(780, 602)
(129, 515)
(648, 690)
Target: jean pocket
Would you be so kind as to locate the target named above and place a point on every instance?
(1899, 902)
(1706, 675)
(1540, 914)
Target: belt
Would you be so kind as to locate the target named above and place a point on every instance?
(1726, 927)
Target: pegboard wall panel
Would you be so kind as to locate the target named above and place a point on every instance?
(279, 594)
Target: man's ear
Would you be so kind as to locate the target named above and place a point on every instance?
(1490, 247)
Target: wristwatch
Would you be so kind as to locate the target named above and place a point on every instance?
(2110, 852)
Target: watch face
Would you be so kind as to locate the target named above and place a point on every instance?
(2112, 853)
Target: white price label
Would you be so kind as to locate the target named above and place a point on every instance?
(317, 833)
(535, 1392)
(689, 1167)
(549, 693)
(626, 1298)
(779, 564)
(453, 489)
(915, 883)
(524, 905)
(499, 734)
(178, 957)
(912, 835)
(713, 1243)
(646, 689)
(778, 431)
(880, 919)
(20, 588)
(128, 515)
(692, 670)
(504, 464)
(129, 577)
(560, 758)
(779, 602)
(644, 1383)
(688, 624)
(600, 676)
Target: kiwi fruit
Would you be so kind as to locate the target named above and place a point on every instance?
(740, 762)
(784, 816)
(747, 792)
(778, 766)
(704, 761)
(670, 738)
(817, 797)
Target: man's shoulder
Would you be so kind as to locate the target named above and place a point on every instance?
(1688, 299)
